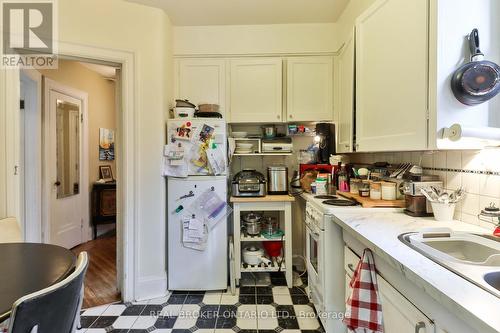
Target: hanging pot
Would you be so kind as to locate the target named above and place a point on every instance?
(477, 81)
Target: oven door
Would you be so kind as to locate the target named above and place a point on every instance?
(314, 257)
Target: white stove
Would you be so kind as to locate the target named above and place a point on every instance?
(325, 257)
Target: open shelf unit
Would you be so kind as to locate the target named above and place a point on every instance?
(282, 205)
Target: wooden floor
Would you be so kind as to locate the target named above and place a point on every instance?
(100, 281)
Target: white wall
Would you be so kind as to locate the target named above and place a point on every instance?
(119, 25)
(254, 39)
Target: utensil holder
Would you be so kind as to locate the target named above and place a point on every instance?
(443, 211)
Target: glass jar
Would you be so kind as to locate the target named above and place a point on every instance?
(355, 185)
(375, 191)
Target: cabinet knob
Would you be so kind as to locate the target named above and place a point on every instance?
(347, 146)
(419, 326)
(57, 183)
(278, 116)
(290, 116)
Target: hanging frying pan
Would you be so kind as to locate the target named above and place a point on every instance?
(477, 81)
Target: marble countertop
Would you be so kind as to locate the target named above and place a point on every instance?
(380, 230)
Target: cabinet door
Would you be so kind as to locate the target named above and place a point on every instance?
(256, 90)
(201, 81)
(310, 89)
(401, 316)
(344, 96)
(392, 76)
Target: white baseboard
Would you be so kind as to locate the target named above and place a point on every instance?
(149, 287)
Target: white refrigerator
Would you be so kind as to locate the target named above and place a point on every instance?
(188, 268)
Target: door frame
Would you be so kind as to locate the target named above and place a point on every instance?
(127, 144)
(47, 186)
(31, 157)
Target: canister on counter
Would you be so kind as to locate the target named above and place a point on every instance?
(388, 191)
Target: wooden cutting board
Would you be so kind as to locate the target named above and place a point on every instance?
(370, 203)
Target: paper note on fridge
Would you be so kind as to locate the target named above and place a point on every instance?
(217, 160)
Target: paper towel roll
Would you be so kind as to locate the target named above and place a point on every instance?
(457, 132)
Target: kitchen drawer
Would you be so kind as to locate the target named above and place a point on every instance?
(351, 260)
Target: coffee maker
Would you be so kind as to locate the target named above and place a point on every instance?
(325, 137)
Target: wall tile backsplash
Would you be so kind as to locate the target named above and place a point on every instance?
(477, 170)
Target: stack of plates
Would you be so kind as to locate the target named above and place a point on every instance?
(243, 148)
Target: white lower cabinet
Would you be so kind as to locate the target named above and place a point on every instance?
(399, 314)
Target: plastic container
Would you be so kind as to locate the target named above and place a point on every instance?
(388, 191)
(313, 187)
(321, 186)
(183, 112)
(443, 211)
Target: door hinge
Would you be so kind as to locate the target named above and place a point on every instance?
(21, 104)
(81, 117)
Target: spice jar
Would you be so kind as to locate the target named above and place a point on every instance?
(364, 189)
(376, 191)
(388, 191)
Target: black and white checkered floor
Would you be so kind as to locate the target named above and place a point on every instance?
(252, 310)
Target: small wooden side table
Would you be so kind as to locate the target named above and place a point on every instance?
(103, 204)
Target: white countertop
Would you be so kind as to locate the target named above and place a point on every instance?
(380, 230)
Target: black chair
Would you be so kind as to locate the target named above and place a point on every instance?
(55, 309)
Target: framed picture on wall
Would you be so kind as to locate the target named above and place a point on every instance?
(105, 173)
(106, 144)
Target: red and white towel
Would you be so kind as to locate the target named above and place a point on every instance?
(364, 310)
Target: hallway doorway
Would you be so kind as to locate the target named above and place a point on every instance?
(78, 123)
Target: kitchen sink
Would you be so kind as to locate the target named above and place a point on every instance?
(475, 258)
(493, 279)
(464, 250)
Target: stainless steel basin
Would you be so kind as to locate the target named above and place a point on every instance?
(476, 258)
(493, 279)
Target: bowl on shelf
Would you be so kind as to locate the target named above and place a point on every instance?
(243, 151)
(244, 146)
(239, 135)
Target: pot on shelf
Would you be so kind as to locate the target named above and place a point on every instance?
(253, 255)
(252, 222)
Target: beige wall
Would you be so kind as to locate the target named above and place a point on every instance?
(101, 108)
(3, 160)
(345, 24)
(254, 39)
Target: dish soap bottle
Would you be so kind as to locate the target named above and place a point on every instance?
(343, 179)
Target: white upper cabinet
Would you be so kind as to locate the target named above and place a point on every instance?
(392, 76)
(310, 88)
(256, 90)
(344, 96)
(201, 81)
